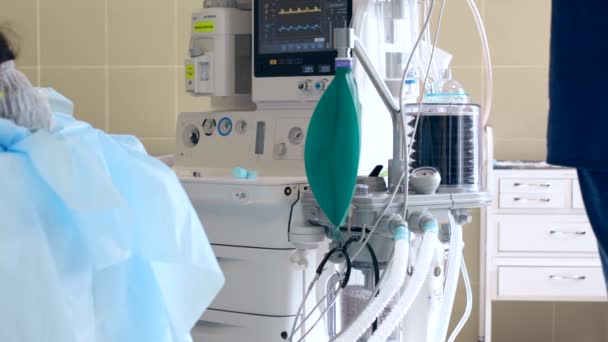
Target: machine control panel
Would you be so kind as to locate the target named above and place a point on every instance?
(270, 137)
(295, 38)
(310, 85)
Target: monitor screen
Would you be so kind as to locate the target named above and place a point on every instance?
(295, 37)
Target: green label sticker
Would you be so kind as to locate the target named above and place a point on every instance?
(204, 27)
(190, 71)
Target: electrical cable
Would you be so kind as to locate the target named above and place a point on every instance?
(403, 175)
(342, 286)
(420, 99)
(319, 272)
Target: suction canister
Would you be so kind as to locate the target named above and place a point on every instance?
(448, 138)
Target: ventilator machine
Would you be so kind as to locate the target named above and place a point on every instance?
(337, 168)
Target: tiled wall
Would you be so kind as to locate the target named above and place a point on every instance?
(121, 63)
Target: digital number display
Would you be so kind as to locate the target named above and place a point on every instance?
(308, 69)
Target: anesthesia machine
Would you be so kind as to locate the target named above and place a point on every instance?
(312, 250)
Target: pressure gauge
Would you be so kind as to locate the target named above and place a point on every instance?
(195, 136)
(191, 135)
(241, 126)
(296, 135)
(225, 127)
(425, 180)
(209, 126)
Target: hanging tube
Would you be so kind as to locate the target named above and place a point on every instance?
(394, 282)
(421, 270)
(451, 281)
(487, 62)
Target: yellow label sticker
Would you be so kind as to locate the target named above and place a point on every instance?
(190, 71)
(1, 94)
(204, 27)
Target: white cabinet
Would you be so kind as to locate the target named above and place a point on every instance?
(537, 243)
(551, 282)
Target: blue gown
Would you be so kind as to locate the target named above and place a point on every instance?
(98, 241)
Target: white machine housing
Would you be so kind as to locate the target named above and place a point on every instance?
(254, 225)
(220, 53)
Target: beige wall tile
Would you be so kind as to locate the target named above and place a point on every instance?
(518, 31)
(85, 87)
(520, 149)
(142, 102)
(521, 103)
(522, 322)
(159, 147)
(471, 80)
(581, 322)
(472, 241)
(19, 17)
(72, 32)
(458, 34)
(142, 32)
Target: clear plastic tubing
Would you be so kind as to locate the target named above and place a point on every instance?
(421, 270)
(451, 281)
(487, 62)
(393, 284)
(469, 307)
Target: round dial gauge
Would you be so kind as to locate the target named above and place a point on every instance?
(425, 172)
(425, 180)
(225, 127)
(241, 126)
(296, 135)
(209, 126)
(191, 136)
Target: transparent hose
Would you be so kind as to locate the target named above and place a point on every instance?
(416, 283)
(469, 307)
(451, 279)
(394, 282)
(487, 62)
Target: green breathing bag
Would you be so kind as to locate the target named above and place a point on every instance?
(333, 145)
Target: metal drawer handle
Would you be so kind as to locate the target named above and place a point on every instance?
(561, 232)
(544, 185)
(546, 200)
(567, 277)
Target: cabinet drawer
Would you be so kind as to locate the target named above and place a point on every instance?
(554, 200)
(564, 282)
(534, 186)
(541, 233)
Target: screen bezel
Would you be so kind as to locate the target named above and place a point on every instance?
(308, 58)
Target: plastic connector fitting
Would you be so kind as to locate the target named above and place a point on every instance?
(401, 233)
(429, 225)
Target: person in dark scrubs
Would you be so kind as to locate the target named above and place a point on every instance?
(578, 116)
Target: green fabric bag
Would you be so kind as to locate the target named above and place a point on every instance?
(333, 145)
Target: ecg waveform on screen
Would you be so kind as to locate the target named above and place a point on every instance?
(299, 10)
(299, 28)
